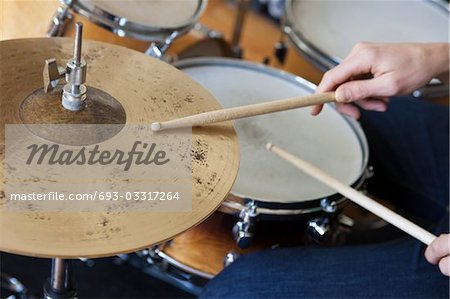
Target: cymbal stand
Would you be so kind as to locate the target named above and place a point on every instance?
(12, 285)
(60, 284)
(243, 6)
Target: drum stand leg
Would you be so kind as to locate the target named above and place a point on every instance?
(11, 284)
(243, 6)
(60, 285)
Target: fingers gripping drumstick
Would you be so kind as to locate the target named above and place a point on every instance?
(357, 197)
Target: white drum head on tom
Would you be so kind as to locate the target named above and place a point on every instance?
(330, 141)
(150, 13)
(334, 27)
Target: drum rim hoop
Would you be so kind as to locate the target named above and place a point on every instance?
(112, 22)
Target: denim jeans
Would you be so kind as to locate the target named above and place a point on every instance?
(409, 149)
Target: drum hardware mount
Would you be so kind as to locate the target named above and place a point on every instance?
(243, 6)
(13, 285)
(89, 262)
(74, 92)
(318, 228)
(281, 49)
(328, 206)
(434, 89)
(243, 230)
(60, 20)
(120, 259)
(369, 173)
(152, 257)
(345, 220)
(207, 32)
(230, 258)
(330, 229)
(157, 49)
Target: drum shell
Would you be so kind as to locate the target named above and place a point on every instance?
(197, 255)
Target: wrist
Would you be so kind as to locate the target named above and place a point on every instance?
(438, 56)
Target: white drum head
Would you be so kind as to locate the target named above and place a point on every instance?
(334, 27)
(330, 141)
(150, 13)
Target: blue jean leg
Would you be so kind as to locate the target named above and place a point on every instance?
(409, 149)
(390, 270)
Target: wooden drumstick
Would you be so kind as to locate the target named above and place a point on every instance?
(244, 111)
(357, 197)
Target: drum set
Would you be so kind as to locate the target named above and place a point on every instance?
(247, 200)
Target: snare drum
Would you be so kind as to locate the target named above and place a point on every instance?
(326, 31)
(269, 195)
(272, 189)
(266, 188)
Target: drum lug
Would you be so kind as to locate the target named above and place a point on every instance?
(60, 20)
(158, 49)
(243, 230)
(328, 205)
(154, 50)
(230, 258)
(318, 228)
(151, 256)
(369, 172)
(242, 234)
(280, 51)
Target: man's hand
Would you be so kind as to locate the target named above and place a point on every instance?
(373, 72)
(438, 253)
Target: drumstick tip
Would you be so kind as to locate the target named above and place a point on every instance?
(156, 126)
(269, 146)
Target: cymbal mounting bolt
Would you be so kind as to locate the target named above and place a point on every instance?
(74, 92)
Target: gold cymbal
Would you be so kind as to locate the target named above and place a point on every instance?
(130, 78)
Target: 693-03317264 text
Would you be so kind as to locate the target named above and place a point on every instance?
(98, 195)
